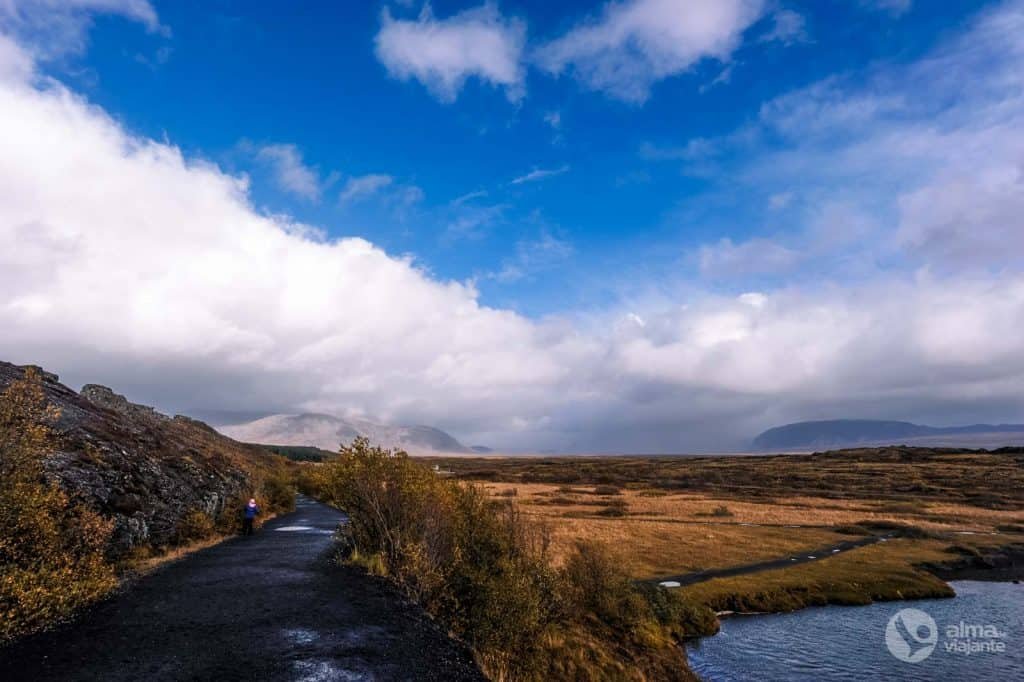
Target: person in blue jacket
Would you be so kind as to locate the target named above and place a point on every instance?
(251, 510)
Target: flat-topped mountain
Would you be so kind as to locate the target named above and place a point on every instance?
(329, 432)
(833, 433)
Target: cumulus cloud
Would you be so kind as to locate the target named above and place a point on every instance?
(170, 286)
(443, 53)
(633, 44)
(54, 28)
(290, 172)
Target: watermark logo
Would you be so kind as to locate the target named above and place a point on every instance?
(911, 635)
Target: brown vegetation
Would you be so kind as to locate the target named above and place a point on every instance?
(486, 572)
(891, 473)
(51, 548)
(685, 515)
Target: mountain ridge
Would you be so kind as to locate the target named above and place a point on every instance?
(830, 433)
(328, 432)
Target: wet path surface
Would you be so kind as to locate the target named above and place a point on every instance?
(267, 607)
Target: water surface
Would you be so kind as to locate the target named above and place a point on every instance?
(849, 642)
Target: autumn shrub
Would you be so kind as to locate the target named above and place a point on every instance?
(483, 570)
(194, 525)
(277, 493)
(51, 549)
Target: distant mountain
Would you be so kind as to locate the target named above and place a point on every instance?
(327, 432)
(819, 435)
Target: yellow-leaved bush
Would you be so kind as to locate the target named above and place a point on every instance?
(484, 571)
(51, 549)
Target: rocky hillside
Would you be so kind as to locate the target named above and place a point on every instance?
(141, 468)
(328, 432)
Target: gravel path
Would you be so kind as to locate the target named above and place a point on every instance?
(770, 564)
(267, 607)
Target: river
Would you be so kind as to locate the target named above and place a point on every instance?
(977, 636)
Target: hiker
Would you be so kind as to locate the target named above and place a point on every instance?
(251, 510)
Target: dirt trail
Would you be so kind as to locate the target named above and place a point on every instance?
(770, 564)
(267, 607)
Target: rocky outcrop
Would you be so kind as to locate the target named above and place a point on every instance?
(141, 468)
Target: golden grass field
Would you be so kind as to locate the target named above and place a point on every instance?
(669, 533)
(673, 516)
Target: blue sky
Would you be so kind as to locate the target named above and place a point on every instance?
(662, 220)
(237, 73)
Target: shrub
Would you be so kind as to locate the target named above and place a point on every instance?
(607, 490)
(51, 549)
(193, 526)
(721, 511)
(483, 570)
(277, 493)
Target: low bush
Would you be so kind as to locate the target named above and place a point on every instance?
(277, 493)
(482, 570)
(195, 525)
(51, 549)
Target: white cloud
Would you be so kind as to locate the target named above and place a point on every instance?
(55, 28)
(635, 43)
(967, 217)
(381, 188)
(538, 174)
(467, 197)
(924, 159)
(364, 186)
(788, 27)
(443, 53)
(15, 63)
(170, 286)
(752, 257)
(290, 172)
(554, 119)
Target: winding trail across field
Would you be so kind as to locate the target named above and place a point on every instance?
(771, 564)
(268, 607)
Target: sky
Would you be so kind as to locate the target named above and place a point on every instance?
(631, 226)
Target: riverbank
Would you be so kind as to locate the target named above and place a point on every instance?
(849, 644)
(891, 570)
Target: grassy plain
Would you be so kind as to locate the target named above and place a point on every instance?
(668, 516)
